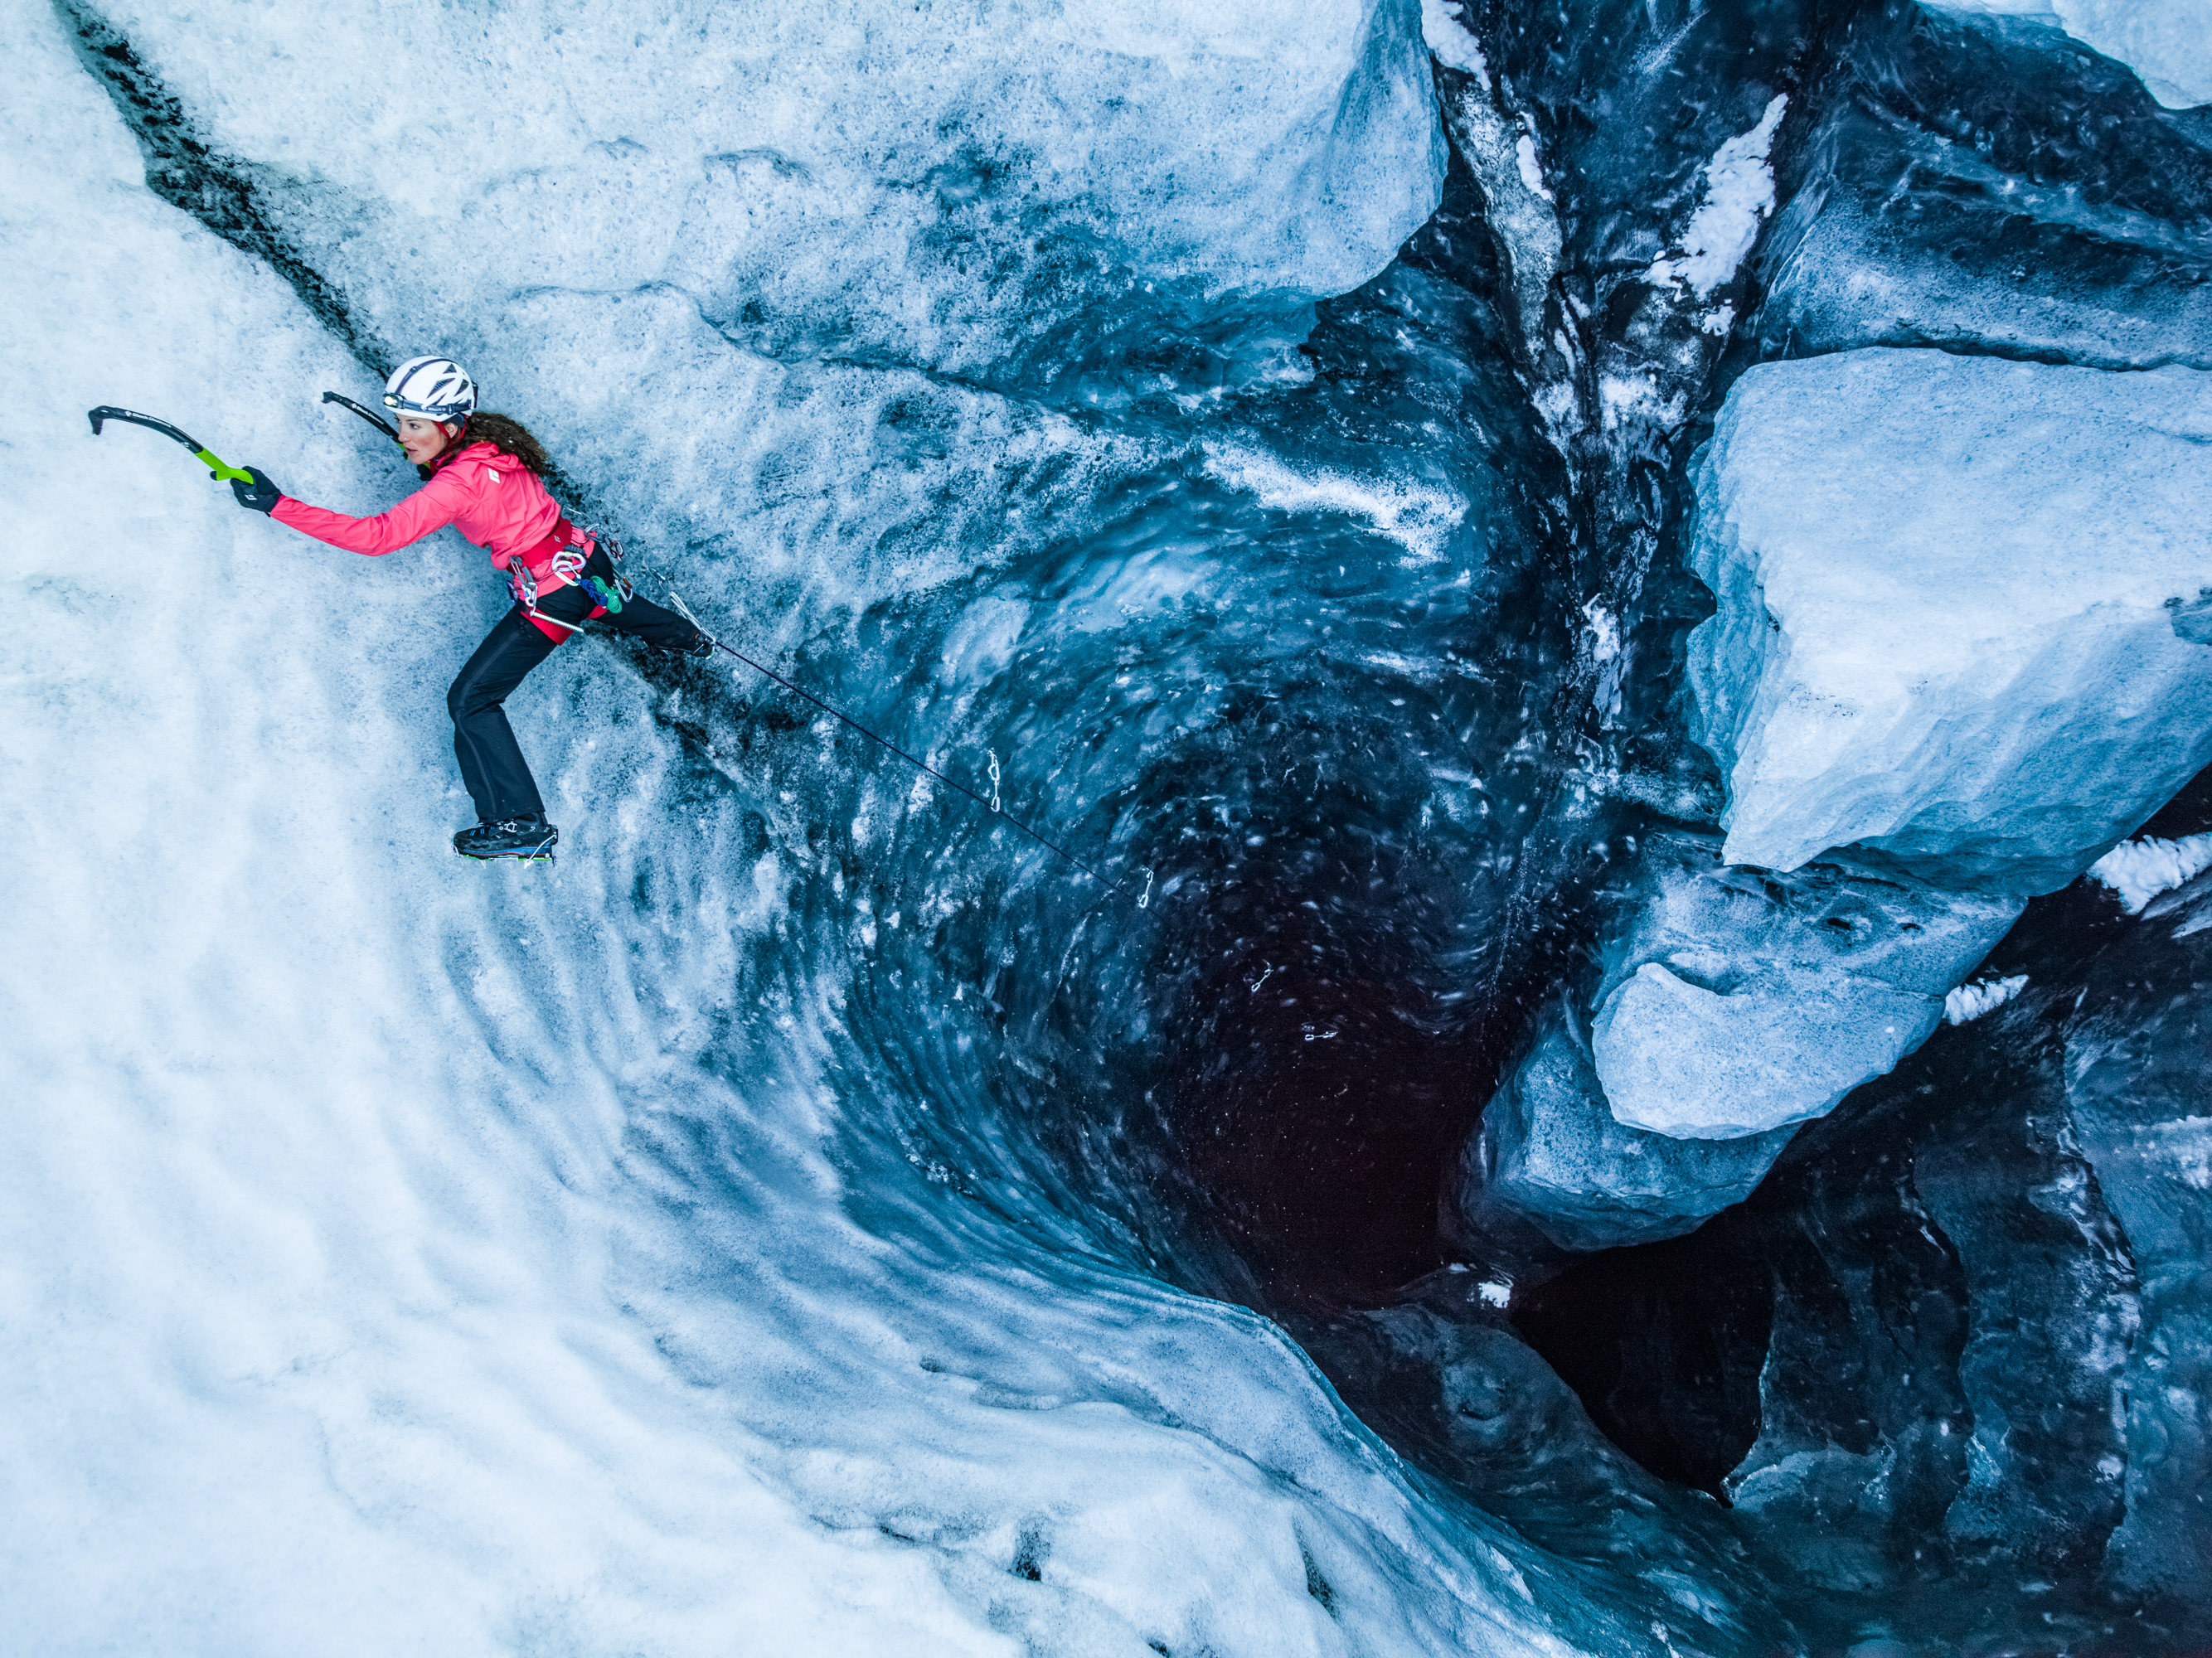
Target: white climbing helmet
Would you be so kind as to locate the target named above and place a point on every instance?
(435, 388)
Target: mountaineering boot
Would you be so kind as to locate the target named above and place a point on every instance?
(510, 837)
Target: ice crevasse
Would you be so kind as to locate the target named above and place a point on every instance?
(1961, 649)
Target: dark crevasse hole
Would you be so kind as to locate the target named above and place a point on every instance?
(1930, 1295)
(1320, 1057)
(1664, 1356)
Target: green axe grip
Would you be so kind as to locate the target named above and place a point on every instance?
(208, 459)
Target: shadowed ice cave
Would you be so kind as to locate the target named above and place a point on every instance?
(1596, 579)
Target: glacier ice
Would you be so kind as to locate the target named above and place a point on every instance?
(1733, 1004)
(1957, 601)
(1971, 196)
(1738, 1000)
(1499, 144)
(2134, 1089)
(1551, 1151)
(812, 1212)
(2167, 42)
(390, 1263)
(939, 187)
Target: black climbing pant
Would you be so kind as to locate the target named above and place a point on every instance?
(492, 765)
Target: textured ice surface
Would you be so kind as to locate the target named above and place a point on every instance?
(1736, 1000)
(1990, 1331)
(1734, 1004)
(2167, 42)
(386, 1265)
(929, 186)
(762, 1227)
(1551, 1151)
(1499, 145)
(1995, 188)
(1960, 608)
(2135, 1068)
(2134, 1080)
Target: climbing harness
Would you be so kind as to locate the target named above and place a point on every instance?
(569, 560)
(215, 469)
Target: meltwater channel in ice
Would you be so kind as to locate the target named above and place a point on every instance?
(1320, 463)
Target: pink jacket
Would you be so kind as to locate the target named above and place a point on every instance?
(492, 499)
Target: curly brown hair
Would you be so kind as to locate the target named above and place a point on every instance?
(507, 435)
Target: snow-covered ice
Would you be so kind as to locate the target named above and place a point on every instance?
(1962, 610)
(1739, 195)
(1447, 36)
(2138, 870)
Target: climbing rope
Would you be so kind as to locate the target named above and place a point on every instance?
(990, 805)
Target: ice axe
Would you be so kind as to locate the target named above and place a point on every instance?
(368, 415)
(216, 469)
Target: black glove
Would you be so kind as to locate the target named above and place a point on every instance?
(261, 495)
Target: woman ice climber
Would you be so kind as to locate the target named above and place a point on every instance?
(485, 477)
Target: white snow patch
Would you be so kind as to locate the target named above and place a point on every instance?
(1451, 41)
(1604, 631)
(1495, 1293)
(1625, 397)
(2168, 42)
(1738, 193)
(2140, 870)
(1419, 516)
(1532, 168)
(1970, 1001)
